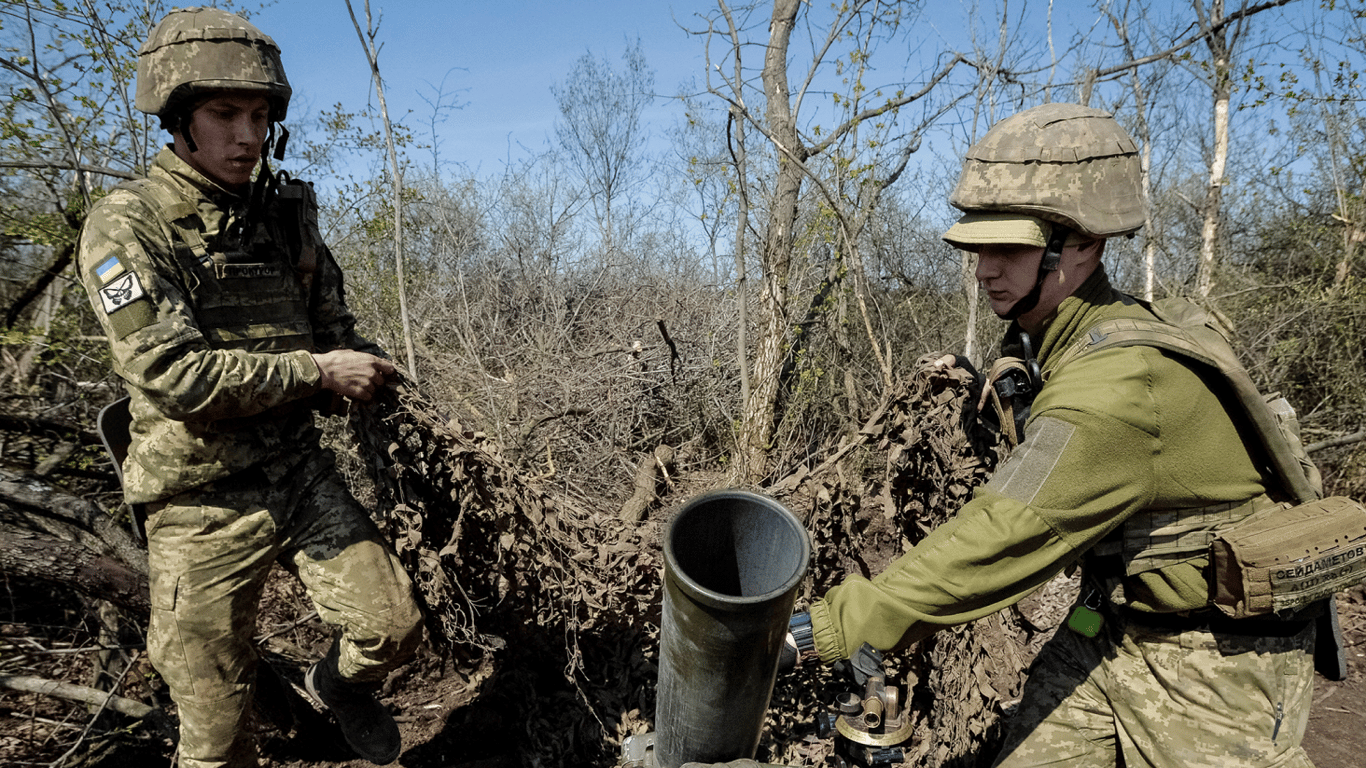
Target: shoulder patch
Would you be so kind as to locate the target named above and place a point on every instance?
(109, 269)
(120, 292)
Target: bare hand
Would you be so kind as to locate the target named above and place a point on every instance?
(353, 374)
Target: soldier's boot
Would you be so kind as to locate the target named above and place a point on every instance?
(365, 723)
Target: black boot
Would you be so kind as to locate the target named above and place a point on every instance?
(364, 722)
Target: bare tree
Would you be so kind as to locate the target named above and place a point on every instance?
(1219, 78)
(792, 147)
(64, 132)
(1221, 33)
(1121, 20)
(367, 41)
(602, 130)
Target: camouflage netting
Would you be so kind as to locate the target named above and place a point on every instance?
(553, 592)
(566, 599)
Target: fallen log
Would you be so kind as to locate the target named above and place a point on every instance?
(69, 518)
(156, 717)
(81, 693)
(35, 555)
(654, 467)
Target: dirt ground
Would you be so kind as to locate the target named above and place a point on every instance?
(437, 734)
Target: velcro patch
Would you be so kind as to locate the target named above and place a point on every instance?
(121, 292)
(249, 271)
(1022, 476)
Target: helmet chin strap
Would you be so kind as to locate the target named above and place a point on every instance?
(265, 178)
(1052, 255)
(185, 131)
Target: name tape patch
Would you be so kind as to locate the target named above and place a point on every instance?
(249, 271)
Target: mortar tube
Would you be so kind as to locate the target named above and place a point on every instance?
(733, 561)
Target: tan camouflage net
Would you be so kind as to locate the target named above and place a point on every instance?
(573, 594)
(560, 594)
(489, 551)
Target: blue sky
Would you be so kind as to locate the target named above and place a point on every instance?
(498, 58)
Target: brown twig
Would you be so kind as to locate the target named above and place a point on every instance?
(102, 706)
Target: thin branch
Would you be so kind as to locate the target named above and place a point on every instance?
(1336, 442)
(396, 172)
(105, 704)
(81, 693)
(1192, 40)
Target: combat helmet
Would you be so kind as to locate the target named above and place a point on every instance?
(1064, 163)
(1049, 176)
(192, 52)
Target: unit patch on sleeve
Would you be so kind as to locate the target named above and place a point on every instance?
(121, 291)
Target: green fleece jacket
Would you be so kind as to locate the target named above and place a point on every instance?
(1114, 432)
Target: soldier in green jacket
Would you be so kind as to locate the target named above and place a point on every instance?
(1129, 463)
(226, 319)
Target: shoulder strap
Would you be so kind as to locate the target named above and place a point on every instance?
(1185, 329)
(180, 214)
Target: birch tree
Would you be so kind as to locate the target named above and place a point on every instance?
(1222, 34)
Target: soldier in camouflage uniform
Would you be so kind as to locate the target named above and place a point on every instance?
(227, 321)
(1121, 446)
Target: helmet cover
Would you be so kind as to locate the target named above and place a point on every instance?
(1063, 163)
(193, 52)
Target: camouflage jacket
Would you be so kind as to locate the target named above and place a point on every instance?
(1115, 433)
(212, 333)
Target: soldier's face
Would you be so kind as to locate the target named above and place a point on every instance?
(1007, 273)
(228, 132)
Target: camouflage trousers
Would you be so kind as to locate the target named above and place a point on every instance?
(210, 550)
(1137, 696)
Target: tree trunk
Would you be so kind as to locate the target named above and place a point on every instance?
(741, 270)
(760, 412)
(70, 518)
(40, 284)
(1222, 89)
(654, 467)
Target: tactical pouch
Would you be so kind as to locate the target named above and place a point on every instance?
(1285, 558)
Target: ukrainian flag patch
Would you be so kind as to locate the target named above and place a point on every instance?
(109, 269)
